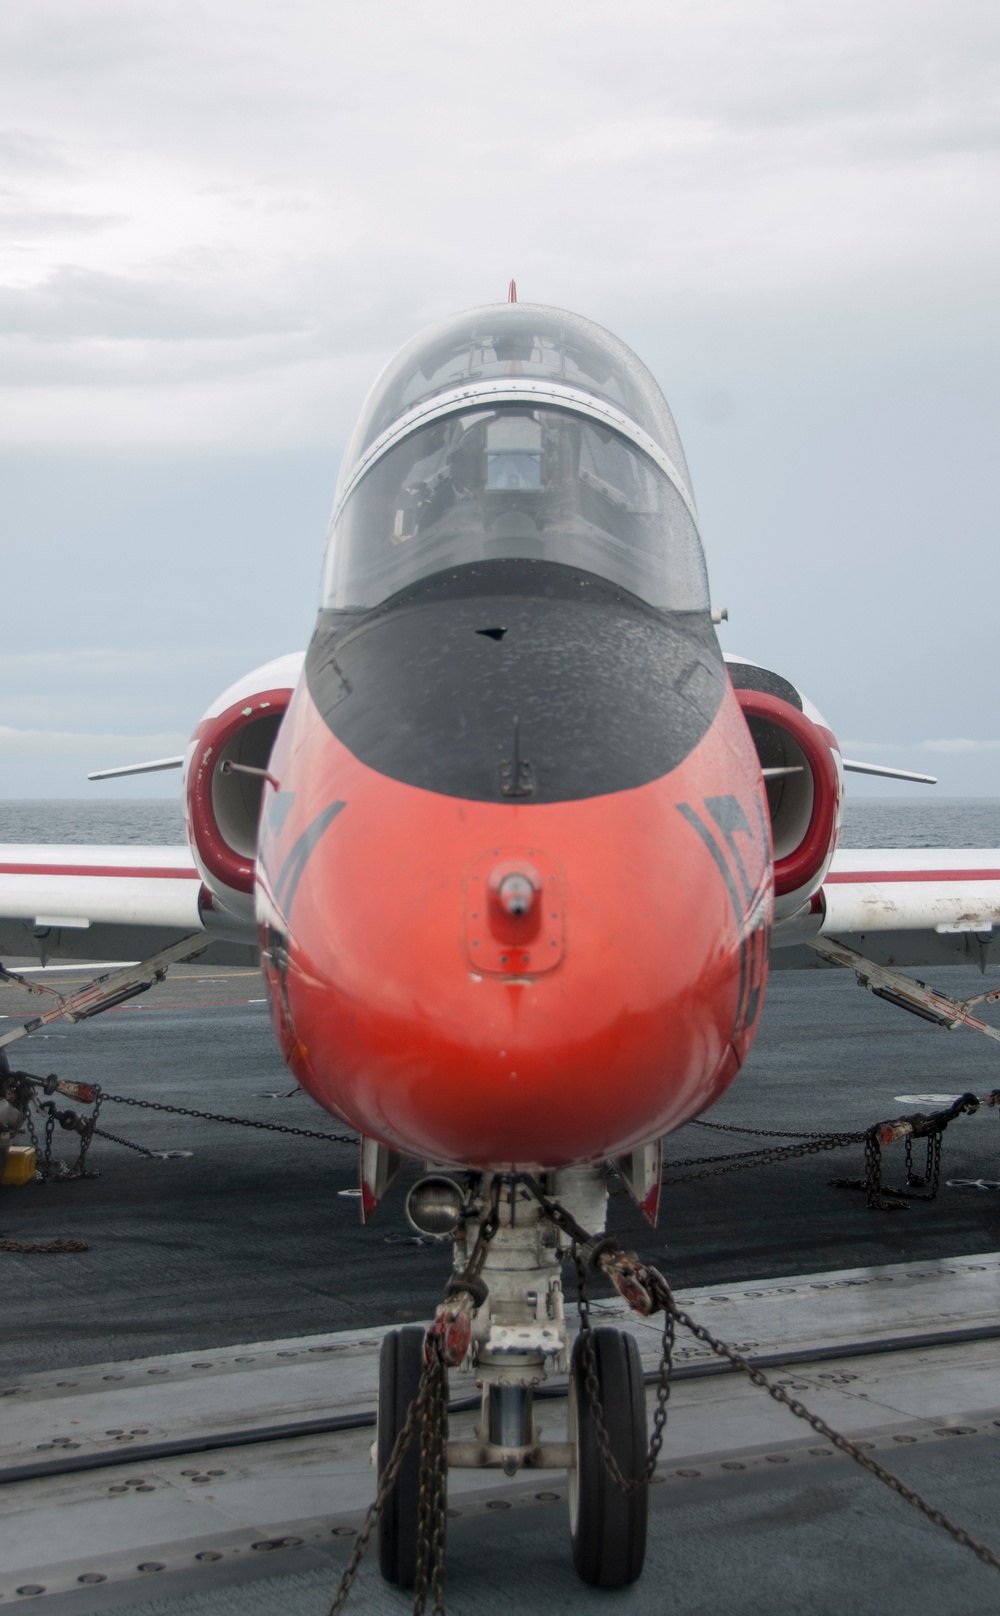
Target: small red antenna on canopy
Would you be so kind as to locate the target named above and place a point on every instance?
(512, 292)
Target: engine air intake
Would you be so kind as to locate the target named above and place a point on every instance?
(804, 797)
(226, 782)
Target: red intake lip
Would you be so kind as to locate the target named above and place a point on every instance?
(228, 867)
(801, 866)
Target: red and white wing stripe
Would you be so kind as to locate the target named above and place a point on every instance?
(868, 891)
(78, 887)
(911, 889)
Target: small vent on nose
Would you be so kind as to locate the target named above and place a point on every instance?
(492, 633)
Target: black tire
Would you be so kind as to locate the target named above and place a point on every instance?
(608, 1526)
(400, 1365)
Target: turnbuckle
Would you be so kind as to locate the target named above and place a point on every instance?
(85, 1093)
(451, 1333)
(628, 1275)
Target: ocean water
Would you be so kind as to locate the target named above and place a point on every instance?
(868, 822)
(156, 820)
(916, 822)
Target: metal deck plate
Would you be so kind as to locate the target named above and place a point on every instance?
(233, 1510)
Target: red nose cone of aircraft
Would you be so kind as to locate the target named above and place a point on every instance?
(497, 985)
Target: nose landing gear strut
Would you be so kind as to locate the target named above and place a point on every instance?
(509, 1331)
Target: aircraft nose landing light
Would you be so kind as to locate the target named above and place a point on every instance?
(434, 1206)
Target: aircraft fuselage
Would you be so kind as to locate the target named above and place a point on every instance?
(515, 719)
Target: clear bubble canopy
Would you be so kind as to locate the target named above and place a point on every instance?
(515, 430)
(515, 339)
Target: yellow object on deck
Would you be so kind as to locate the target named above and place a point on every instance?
(19, 1168)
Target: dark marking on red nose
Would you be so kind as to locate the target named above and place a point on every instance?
(293, 866)
(748, 905)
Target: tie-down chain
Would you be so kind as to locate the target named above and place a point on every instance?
(646, 1290)
(919, 1125)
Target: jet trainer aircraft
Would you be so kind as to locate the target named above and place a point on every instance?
(517, 845)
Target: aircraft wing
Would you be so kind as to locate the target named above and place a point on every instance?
(904, 907)
(101, 903)
(900, 906)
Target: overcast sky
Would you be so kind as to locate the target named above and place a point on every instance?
(218, 219)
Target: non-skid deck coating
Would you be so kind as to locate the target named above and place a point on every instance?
(195, 1525)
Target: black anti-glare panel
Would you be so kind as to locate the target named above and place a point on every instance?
(517, 680)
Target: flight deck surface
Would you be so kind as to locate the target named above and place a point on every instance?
(252, 1239)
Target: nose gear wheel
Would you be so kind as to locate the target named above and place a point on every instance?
(608, 1525)
(401, 1364)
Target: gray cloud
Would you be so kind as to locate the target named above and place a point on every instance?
(31, 155)
(18, 222)
(227, 217)
(74, 303)
(110, 750)
(945, 748)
